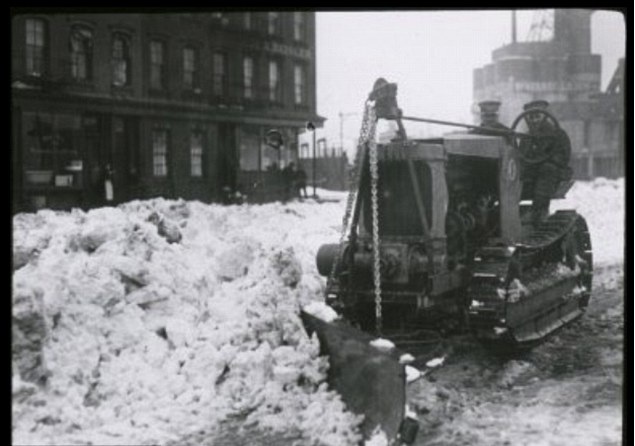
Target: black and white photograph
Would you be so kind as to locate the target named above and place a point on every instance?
(270, 226)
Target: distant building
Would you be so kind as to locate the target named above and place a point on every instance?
(172, 105)
(563, 71)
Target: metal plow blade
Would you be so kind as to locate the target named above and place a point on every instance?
(371, 382)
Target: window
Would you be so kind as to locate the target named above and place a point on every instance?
(273, 23)
(157, 65)
(274, 82)
(196, 154)
(248, 77)
(249, 148)
(81, 53)
(304, 151)
(190, 68)
(298, 26)
(120, 60)
(220, 75)
(299, 84)
(36, 46)
(51, 140)
(160, 152)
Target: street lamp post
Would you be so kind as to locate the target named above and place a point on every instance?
(310, 127)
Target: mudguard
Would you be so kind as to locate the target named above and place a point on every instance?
(371, 382)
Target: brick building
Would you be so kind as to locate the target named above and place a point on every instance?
(563, 71)
(174, 105)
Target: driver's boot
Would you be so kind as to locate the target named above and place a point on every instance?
(540, 209)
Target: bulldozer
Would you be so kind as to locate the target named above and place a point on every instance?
(436, 236)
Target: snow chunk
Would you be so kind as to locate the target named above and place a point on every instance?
(179, 332)
(378, 438)
(436, 362)
(236, 261)
(288, 267)
(406, 358)
(321, 311)
(500, 330)
(412, 374)
(409, 413)
(29, 331)
(382, 344)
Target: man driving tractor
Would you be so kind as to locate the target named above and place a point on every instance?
(542, 173)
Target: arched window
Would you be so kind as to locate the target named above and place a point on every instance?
(81, 43)
(121, 63)
(36, 47)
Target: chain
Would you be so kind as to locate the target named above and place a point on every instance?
(374, 179)
(366, 134)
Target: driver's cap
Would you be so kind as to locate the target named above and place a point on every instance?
(540, 104)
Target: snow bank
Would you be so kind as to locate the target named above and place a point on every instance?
(146, 322)
(601, 202)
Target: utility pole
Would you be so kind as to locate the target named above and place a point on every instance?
(342, 116)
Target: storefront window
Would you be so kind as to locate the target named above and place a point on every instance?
(248, 77)
(196, 154)
(160, 152)
(249, 148)
(51, 140)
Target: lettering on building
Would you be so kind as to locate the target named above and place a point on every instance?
(287, 50)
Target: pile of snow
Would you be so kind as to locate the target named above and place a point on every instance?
(602, 203)
(143, 323)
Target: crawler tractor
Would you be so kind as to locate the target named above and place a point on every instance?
(436, 236)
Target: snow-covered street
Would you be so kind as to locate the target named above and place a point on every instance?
(163, 320)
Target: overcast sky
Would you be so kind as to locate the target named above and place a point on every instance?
(429, 54)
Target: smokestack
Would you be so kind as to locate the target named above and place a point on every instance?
(513, 26)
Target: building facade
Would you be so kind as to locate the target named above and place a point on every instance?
(171, 105)
(564, 72)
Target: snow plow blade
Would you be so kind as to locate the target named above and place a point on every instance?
(371, 382)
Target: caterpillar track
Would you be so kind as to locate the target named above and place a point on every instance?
(517, 301)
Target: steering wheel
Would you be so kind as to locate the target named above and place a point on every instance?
(536, 147)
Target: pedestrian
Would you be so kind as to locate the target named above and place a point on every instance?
(288, 178)
(542, 175)
(300, 182)
(109, 193)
